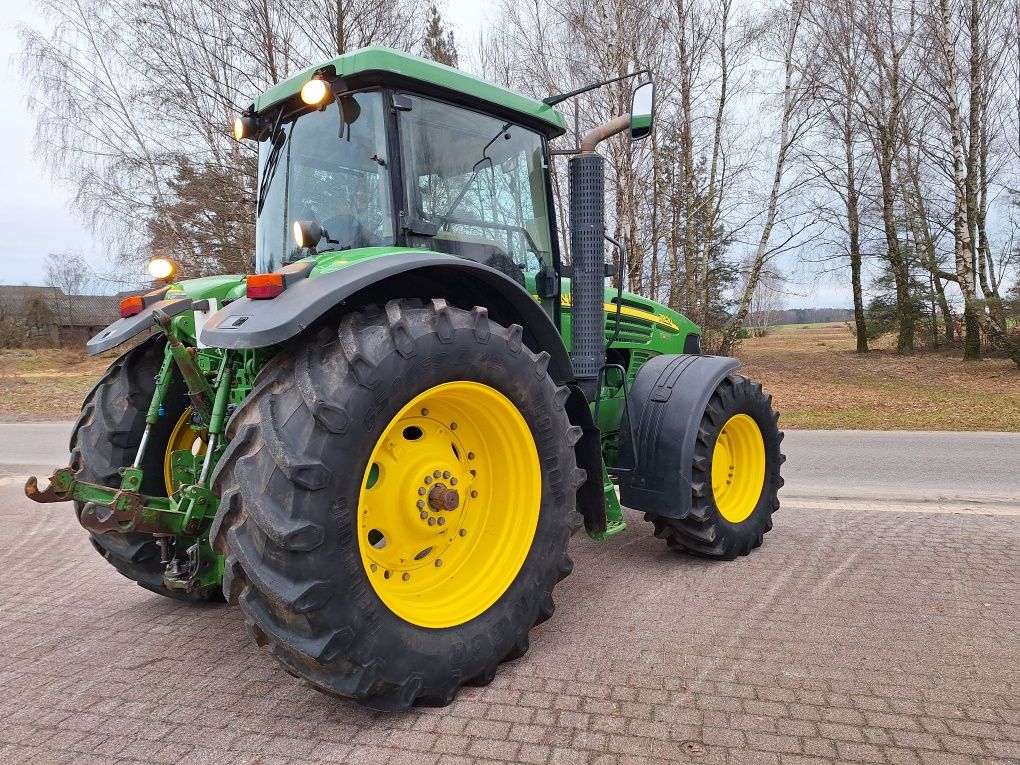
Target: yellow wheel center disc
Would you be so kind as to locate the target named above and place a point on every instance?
(449, 504)
(738, 468)
(183, 438)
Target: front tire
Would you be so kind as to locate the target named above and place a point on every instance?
(332, 480)
(735, 475)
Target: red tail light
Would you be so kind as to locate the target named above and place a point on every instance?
(264, 286)
(130, 306)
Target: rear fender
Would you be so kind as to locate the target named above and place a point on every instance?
(665, 407)
(123, 330)
(247, 323)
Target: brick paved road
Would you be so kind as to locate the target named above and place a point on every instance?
(856, 634)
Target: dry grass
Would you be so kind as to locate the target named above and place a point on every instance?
(818, 381)
(46, 384)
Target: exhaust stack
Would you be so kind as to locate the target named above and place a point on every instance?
(587, 285)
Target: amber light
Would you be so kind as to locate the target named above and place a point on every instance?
(130, 306)
(264, 286)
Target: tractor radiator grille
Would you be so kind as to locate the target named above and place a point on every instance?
(632, 328)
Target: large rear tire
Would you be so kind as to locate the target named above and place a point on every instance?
(396, 503)
(735, 475)
(106, 437)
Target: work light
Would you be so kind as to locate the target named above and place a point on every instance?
(307, 233)
(315, 92)
(161, 268)
(247, 126)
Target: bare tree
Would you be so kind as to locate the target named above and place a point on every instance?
(790, 130)
(70, 274)
(966, 141)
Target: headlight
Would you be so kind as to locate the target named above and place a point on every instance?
(314, 92)
(161, 268)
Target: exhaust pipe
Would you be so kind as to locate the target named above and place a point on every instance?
(587, 252)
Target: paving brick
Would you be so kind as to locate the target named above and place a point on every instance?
(832, 664)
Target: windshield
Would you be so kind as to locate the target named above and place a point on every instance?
(481, 182)
(331, 170)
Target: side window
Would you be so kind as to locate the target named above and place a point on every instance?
(481, 182)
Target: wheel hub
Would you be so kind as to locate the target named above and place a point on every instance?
(442, 498)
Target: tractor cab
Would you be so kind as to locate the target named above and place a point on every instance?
(383, 158)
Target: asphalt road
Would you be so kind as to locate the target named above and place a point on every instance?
(921, 467)
(867, 629)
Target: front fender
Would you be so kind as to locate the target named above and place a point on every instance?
(657, 440)
(247, 323)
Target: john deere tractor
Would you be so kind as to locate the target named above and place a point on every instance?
(380, 442)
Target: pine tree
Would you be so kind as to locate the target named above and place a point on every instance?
(439, 44)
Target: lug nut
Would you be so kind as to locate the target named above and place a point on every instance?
(421, 491)
(471, 455)
(453, 482)
(421, 503)
(446, 474)
(453, 426)
(441, 521)
(439, 562)
(424, 412)
(437, 474)
(463, 532)
(428, 479)
(432, 521)
(405, 576)
(423, 515)
(474, 494)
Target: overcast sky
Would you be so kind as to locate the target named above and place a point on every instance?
(35, 213)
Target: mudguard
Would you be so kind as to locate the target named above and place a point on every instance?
(665, 407)
(123, 330)
(247, 323)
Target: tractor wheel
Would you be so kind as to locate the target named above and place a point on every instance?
(106, 437)
(735, 475)
(396, 503)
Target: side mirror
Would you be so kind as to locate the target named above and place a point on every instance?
(642, 111)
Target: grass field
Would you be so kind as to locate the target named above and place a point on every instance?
(818, 381)
(811, 370)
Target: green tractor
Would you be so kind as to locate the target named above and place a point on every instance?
(380, 443)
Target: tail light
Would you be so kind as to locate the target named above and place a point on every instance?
(130, 306)
(264, 286)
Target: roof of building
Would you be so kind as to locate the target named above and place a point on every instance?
(388, 66)
(67, 310)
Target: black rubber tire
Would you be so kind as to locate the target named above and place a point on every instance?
(290, 482)
(106, 437)
(704, 531)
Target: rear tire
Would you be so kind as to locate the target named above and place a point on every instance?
(106, 437)
(293, 485)
(707, 531)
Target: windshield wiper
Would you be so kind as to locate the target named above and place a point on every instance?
(474, 170)
(272, 162)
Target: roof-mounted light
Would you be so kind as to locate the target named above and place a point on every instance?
(315, 92)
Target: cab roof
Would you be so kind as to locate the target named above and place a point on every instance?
(377, 65)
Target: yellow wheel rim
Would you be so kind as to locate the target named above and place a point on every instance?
(738, 468)
(182, 439)
(449, 504)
